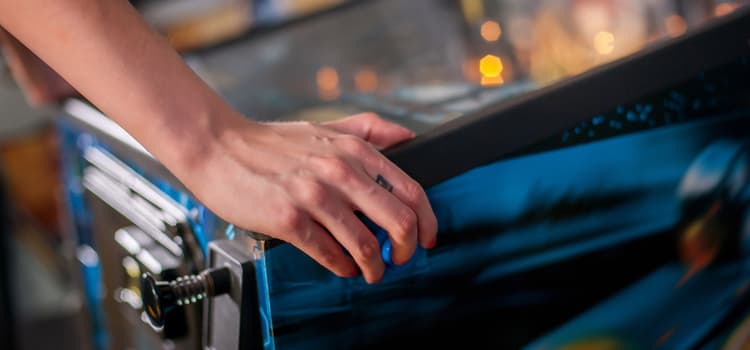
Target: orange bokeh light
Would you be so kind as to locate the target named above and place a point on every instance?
(366, 80)
(675, 25)
(327, 80)
(490, 31)
(724, 8)
(491, 81)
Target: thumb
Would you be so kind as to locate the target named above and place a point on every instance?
(373, 129)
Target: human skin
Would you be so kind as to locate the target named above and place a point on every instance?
(40, 84)
(298, 182)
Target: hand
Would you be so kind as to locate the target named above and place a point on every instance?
(302, 183)
(298, 182)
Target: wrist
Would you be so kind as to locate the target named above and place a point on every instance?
(193, 145)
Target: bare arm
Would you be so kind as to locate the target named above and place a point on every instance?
(40, 84)
(297, 181)
(113, 58)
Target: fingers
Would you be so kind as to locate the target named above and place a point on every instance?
(390, 213)
(361, 244)
(355, 237)
(405, 189)
(370, 127)
(321, 247)
(344, 181)
(326, 204)
(411, 193)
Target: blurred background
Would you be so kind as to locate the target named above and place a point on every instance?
(504, 46)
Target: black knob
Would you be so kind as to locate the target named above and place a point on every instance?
(159, 297)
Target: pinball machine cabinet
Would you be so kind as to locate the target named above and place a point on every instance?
(559, 206)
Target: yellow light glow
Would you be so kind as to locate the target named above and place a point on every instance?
(491, 81)
(604, 42)
(675, 25)
(491, 66)
(724, 8)
(366, 80)
(490, 31)
(472, 10)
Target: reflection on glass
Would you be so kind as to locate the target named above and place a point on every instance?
(473, 10)
(604, 43)
(675, 25)
(327, 79)
(490, 30)
(630, 230)
(366, 80)
(491, 68)
(387, 51)
(725, 8)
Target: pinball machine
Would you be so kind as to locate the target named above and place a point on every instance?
(590, 195)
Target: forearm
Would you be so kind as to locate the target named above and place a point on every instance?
(111, 56)
(298, 182)
(40, 84)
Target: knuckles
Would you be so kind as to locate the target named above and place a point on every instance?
(312, 193)
(368, 249)
(335, 169)
(291, 219)
(406, 224)
(354, 145)
(413, 193)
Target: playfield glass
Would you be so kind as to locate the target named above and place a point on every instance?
(628, 231)
(422, 63)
